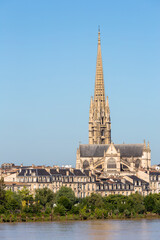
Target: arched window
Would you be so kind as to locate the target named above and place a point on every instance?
(102, 120)
(137, 163)
(102, 132)
(85, 164)
(111, 163)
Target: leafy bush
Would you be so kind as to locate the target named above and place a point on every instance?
(2, 209)
(48, 210)
(95, 201)
(98, 213)
(13, 201)
(60, 210)
(75, 209)
(64, 201)
(127, 213)
(45, 196)
(66, 192)
(157, 207)
(84, 213)
(149, 202)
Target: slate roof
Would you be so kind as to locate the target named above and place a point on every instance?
(53, 171)
(97, 150)
(135, 178)
(78, 172)
(38, 172)
(86, 172)
(63, 172)
(154, 173)
(42, 172)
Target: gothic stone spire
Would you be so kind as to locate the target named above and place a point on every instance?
(99, 92)
(99, 114)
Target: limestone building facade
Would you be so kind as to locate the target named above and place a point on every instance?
(82, 182)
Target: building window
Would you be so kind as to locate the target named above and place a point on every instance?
(102, 122)
(85, 164)
(102, 133)
(137, 163)
(111, 163)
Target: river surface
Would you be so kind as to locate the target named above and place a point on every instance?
(72, 230)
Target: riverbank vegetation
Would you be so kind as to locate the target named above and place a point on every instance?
(48, 206)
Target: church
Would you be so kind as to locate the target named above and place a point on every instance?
(101, 154)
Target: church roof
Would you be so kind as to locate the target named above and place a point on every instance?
(97, 150)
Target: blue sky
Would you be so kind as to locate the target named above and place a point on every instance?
(47, 71)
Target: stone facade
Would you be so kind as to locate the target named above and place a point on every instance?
(82, 182)
(114, 158)
(154, 180)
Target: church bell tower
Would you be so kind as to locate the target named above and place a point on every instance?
(99, 113)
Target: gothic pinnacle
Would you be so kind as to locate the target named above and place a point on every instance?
(107, 102)
(91, 103)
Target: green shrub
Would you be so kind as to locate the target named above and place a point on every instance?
(48, 210)
(64, 201)
(157, 207)
(60, 210)
(116, 212)
(98, 213)
(127, 213)
(2, 209)
(75, 209)
(66, 192)
(84, 213)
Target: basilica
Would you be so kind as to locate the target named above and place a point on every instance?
(101, 154)
(101, 166)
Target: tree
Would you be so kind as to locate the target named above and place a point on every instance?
(2, 192)
(149, 202)
(95, 201)
(116, 202)
(65, 202)
(66, 192)
(45, 197)
(157, 206)
(136, 203)
(13, 201)
(60, 209)
(25, 195)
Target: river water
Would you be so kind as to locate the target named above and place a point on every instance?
(72, 230)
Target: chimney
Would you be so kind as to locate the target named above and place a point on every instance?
(71, 170)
